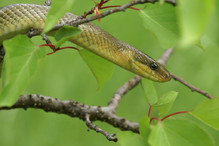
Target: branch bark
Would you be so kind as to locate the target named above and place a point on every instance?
(82, 111)
(193, 88)
(73, 109)
(115, 10)
(85, 112)
(90, 125)
(93, 113)
(82, 20)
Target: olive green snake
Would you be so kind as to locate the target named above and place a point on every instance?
(21, 18)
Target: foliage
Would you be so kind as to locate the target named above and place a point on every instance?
(168, 132)
(165, 103)
(178, 132)
(161, 21)
(56, 13)
(207, 112)
(20, 62)
(101, 68)
(151, 94)
(64, 34)
(65, 75)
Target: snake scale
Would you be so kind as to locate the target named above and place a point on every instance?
(21, 18)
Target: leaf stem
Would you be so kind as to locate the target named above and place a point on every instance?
(154, 118)
(116, 6)
(181, 112)
(149, 112)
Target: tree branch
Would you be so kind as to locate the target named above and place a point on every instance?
(120, 8)
(193, 88)
(117, 97)
(73, 109)
(85, 112)
(163, 61)
(90, 125)
(82, 20)
(93, 113)
(164, 58)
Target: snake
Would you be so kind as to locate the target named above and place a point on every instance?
(21, 18)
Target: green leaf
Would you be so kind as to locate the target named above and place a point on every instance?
(165, 103)
(158, 136)
(20, 62)
(144, 129)
(57, 10)
(179, 133)
(101, 68)
(194, 17)
(208, 112)
(65, 33)
(149, 91)
(161, 21)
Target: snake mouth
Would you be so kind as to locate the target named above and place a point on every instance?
(144, 71)
(158, 75)
(92, 38)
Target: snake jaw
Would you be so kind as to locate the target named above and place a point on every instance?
(92, 38)
(142, 65)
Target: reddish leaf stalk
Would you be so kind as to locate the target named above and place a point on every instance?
(154, 118)
(57, 49)
(181, 112)
(149, 112)
(115, 6)
(98, 6)
(101, 3)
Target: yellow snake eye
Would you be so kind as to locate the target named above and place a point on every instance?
(153, 66)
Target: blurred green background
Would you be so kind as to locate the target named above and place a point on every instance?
(66, 76)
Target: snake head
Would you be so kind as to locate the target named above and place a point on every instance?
(145, 66)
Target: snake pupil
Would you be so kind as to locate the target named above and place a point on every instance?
(153, 66)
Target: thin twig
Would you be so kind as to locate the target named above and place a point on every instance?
(163, 61)
(91, 11)
(81, 20)
(75, 109)
(93, 113)
(193, 88)
(46, 39)
(164, 58)
(90, 125)
(99, 6)
(117, 97)
(115, 10)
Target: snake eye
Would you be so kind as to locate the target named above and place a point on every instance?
(153, 66)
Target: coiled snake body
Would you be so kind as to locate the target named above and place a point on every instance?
(20, 18)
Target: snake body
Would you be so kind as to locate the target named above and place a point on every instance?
(21, 18)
